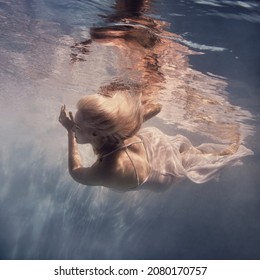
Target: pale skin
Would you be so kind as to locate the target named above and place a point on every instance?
(113, 171)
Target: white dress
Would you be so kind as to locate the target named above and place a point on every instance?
(174, 157)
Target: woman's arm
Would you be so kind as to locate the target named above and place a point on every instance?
(91, 176)
(84, 175)
(74, 159)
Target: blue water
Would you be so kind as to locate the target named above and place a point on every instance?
(44, 214)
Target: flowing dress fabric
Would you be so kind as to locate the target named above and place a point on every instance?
(174, 157)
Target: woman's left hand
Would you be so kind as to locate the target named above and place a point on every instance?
(66, 121)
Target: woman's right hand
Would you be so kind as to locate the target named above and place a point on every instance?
(67, 122)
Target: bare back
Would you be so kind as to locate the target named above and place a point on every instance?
(123, 168)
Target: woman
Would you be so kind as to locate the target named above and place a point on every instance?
(128, 158)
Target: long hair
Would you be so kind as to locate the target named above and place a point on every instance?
(114, 117)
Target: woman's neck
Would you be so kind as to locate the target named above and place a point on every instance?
(103, 147)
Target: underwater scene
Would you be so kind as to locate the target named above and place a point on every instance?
(198, 61)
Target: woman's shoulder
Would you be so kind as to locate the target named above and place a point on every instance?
(117, 172)
(128, 166)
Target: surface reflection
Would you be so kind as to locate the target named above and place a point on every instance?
(137, 45)
(151, 61)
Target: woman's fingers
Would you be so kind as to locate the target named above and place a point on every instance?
(66, 121)
(62, 113)
(63, 109)
(71, 116)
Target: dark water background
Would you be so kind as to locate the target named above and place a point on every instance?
(44, 214)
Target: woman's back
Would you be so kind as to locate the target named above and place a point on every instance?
(125, 167)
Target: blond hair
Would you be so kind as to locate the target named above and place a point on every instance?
(115, 117)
